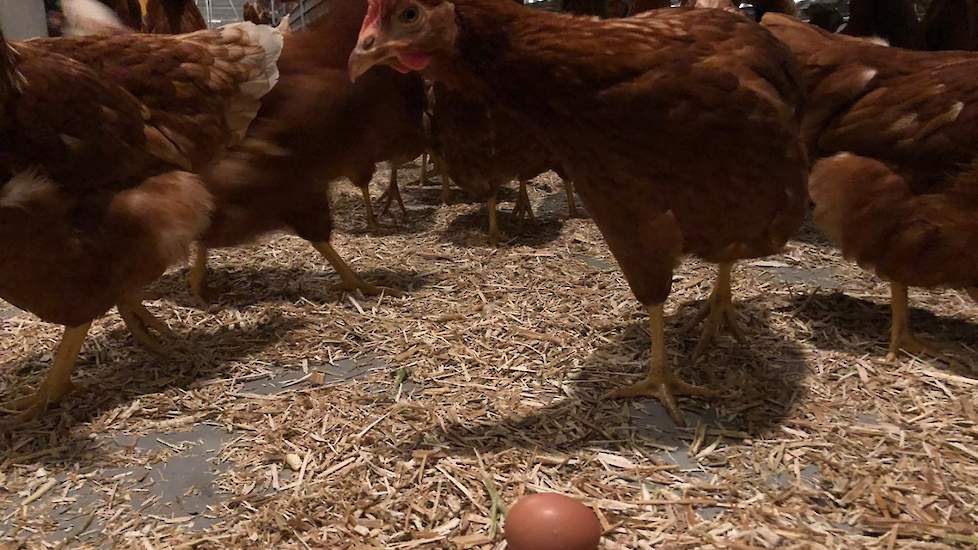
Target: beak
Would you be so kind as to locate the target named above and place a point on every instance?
(370, 51)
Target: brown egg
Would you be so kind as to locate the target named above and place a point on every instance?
(548, 521)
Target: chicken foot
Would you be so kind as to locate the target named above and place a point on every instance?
(660, 382)
(523, 210)
(393, 192)
(901, 337)
(198, 275)
(351, 281)
(140, 322)
(58, 382)
(718, 312)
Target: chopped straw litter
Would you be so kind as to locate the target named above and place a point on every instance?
(292, 415)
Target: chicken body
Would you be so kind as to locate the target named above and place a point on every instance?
(97, 199)
(904, 203)
(314, 127)
(647, 115)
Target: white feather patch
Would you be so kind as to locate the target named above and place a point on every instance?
(88, 17)
(24, 188)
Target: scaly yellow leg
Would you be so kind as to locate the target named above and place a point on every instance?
(718, 312)
(57, 383)
(901, 337)
(351, 281)
(660, 382)
(140, 322)
(198, 274)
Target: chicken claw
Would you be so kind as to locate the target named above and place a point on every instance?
(718, 312)
(351, 281)
(368, 207)
(660, 382)
(58, 382)
(140, 322)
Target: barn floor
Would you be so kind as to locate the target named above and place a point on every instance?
(293, 415)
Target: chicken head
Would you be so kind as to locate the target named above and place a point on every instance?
(403, 34)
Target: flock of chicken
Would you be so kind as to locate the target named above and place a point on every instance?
(122, 150)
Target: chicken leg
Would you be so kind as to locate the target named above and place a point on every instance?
(523, 210)
(660, 382)
(718, 312)
(368, 206)
(446, 182)
(351, 281)
(423, 178)
(140, 322)
(198, 274)
(571, 199)
(493, 222)
(393, 192)
(901, 338)
(57, 383)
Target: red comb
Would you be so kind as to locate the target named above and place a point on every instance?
(373, 14)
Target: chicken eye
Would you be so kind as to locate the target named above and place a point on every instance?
(409, 15)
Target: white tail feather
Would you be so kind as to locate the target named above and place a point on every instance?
(88, 17)
(25, 188)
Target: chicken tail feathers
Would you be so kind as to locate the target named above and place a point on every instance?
(173, 209)
(920, 239)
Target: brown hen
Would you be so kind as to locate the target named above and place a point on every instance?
(908, 209)
(315, 127)
(647, 115)
(97, 199)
